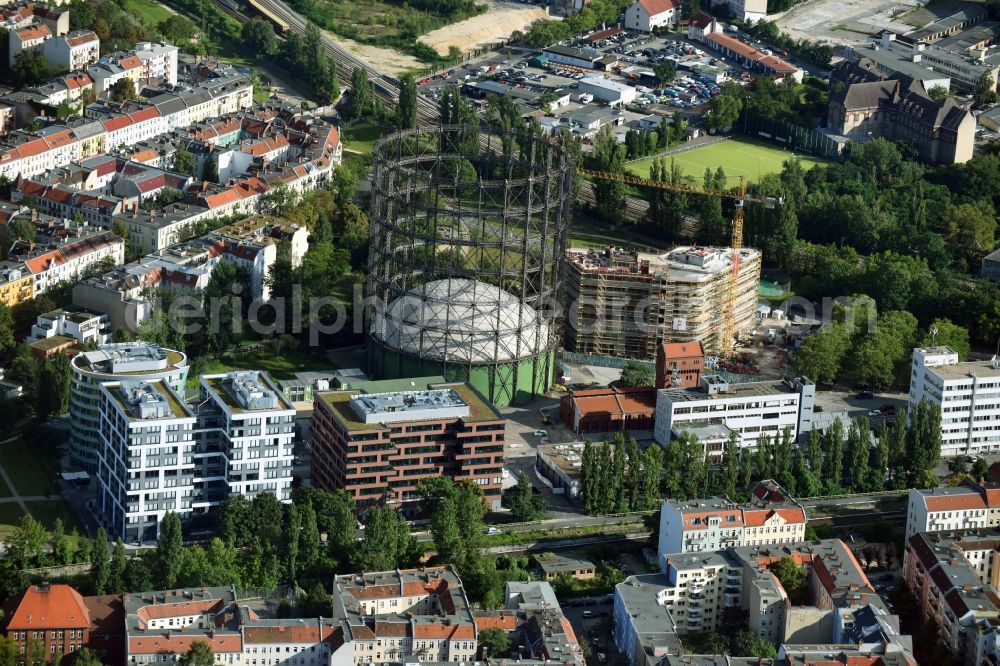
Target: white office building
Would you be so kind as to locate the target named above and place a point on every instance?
(649, 15)
(752, 409)
(128, 361)
(968, 395)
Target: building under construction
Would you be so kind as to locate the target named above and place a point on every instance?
(468, 240)
(624, 303)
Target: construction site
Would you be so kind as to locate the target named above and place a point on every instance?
(626, 303)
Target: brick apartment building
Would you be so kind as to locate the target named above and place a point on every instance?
(380, 446)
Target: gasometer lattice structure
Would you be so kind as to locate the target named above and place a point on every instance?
(468, 232)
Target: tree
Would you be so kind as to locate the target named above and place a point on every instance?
(6, 328)
(259, 35)
(293, 533)
(986, 89)
(361, 93)
(199, 654)
(318, 603)
(310, 542)
(54, 375)
(27, 545)
(494, 644)
(522, 501)
(123, 89)
(177, 29)
(116, 571)
(84, 657)
(169, 551)
(184, 162)
(858, 452)
(637, 374)
(792, 576)
(652, 474)
(979, 469)
(609, 155)
(406, 111)
(30, 67)
(665, 71)
(100, 564)
(387, 543)
(944, 333)
(833, 453)
(938, 93)
(726, 107)
(748, 644)
(9, 652)
(970, 229)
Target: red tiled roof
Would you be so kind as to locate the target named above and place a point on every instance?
(307, 633)
(32, 148)
(963, 501)
(53, 606)
(438, 630)
(507, 622)
(701, 20)
(80, 40)
(130, 62)
(683, 350)
(117, 123)
(180, 643)
(654, 7)
(59, 139)
(160, 611)
(392, 629)
(148, 113)
(33, 32)
(757, 517)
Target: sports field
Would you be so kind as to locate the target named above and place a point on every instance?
(737, 157)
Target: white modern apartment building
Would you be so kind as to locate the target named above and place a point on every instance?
(82, 325)
(246, 432)
(128, 361)
(968, 395)
(158, 454)
(752, 409)
(73, 51)
(146, 446)
(963, 507)
(771, 517)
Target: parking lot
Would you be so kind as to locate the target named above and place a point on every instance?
(637, 54)
(591, 620)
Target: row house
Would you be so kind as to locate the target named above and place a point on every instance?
(69, 258)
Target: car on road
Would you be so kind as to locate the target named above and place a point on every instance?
(492, 531)
(541, 433)
(874, 412)
(866, 394)
(588, 613)
(601, 657)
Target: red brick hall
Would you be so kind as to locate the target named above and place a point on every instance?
(57, 620)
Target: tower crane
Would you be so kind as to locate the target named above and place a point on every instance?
(741, 197)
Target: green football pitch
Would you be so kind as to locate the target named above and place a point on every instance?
(737, 157)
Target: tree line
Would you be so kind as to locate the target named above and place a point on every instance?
(841, 459)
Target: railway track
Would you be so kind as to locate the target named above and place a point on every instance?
(385, 86)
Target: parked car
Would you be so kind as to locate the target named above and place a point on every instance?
(866, 394)
(492, 531)
(874, 412)
(588, 613)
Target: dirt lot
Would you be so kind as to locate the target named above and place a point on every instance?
(388, 61)
(845, 21)
(497, 23)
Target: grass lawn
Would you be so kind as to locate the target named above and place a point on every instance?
(47, 512)
(10, 516)
(361, 136)
(149, 12)
(738, 157)
(32, 468)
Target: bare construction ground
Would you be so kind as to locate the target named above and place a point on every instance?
(388, 61)
(846, 21)
(497, 23)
